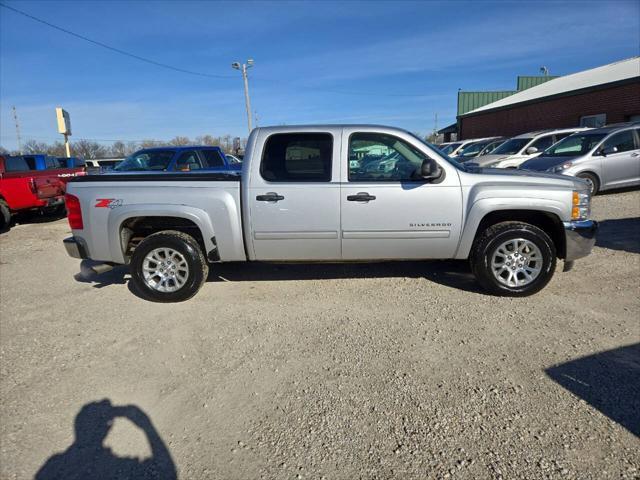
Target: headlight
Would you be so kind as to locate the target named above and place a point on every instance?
(560, 168)
(581, 205)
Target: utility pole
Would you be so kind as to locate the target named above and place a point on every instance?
(435, 128)
(15, 117)
(243, 68)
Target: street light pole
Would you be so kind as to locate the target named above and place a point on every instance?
(243, 68)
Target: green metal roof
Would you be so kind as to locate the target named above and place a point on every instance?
(468, 101)
(528, 81)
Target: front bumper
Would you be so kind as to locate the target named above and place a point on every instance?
(580, 237)
(75, 247)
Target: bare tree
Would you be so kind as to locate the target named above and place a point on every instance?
(120, 149)
(57, 149)
(33, 146)
(178, 141)
(151, 143)
(208, 140)
(88, 149)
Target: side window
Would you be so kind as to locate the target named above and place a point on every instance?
(31, 161)
(188, 161)
(543, 143)
(297, 157)
(376, 157)
(52, 163)
(16, 164)
(622, 142)
(211, 158)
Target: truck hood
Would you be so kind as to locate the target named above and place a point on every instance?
(540, 164)
(499, 176)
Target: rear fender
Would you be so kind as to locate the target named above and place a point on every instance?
(117, 218)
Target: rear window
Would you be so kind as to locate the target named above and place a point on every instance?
(53, 163)
(146, 160)
(16, 164)
(511, 147)
(212, 158)
(297, 157)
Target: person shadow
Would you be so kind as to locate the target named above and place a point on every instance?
(88, 458)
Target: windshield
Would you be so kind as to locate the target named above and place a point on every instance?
(146, 160)
(574, 145)
(453, 162)
(511, 147)
(447, 149)
(472, 149)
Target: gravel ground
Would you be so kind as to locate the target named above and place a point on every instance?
(400, 370)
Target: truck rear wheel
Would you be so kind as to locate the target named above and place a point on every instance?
(513, 259)
(168, 266)
(5, 215)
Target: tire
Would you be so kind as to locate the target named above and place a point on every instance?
(514, 283)
(592, 180)
(186, 281)
(5, 215)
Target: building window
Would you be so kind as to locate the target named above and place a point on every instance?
(593, 121)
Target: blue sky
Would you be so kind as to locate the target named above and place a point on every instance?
(395, 63)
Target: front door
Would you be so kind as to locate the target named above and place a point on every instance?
(622, 167)
(294, 200)
(388, 213)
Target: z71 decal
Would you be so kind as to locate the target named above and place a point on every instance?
(108, 202)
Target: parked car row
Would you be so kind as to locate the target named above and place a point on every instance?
(606, 158)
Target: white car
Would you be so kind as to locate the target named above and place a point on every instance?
(524, 147)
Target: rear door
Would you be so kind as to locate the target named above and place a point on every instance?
(294, 196)
(386, 212)
(621, 168)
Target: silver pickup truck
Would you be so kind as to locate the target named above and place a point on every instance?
(331, 193)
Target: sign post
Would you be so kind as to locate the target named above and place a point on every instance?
(64, 127)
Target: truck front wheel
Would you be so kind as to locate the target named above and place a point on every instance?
(513, 259)
(168, 266)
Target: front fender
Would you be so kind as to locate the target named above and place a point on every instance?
(482, 207)
(119, 216)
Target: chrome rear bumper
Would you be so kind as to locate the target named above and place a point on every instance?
(580, 237)
(75, 248)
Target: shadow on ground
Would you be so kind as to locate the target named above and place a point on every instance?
(620, 234)
(609, 381)
(26, 218)
(451, 273)
(87, 457)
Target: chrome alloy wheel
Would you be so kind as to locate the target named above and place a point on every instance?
(165, 270)
(516, 262)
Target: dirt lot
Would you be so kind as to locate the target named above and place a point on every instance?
(312, 371)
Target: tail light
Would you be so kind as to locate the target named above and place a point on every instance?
(74, 212)
(32, 185)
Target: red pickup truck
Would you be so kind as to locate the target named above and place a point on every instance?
(24, 189)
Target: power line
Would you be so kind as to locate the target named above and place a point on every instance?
(114, 49)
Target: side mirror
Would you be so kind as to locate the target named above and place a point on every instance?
(531, 150)
(430, 170)
(609, 150)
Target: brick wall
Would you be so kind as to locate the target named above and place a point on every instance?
(617, 102)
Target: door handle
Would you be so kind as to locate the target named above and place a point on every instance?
(361, 197)
(270, 197)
